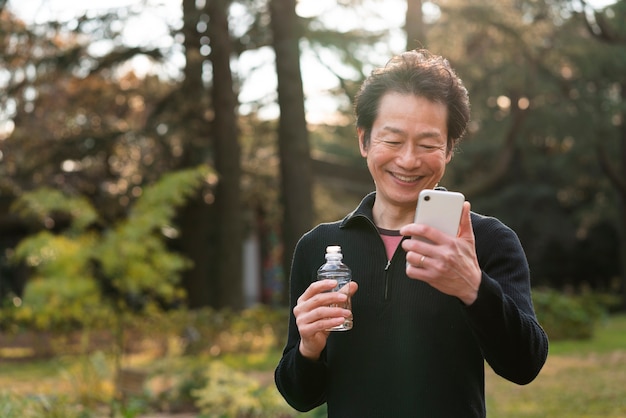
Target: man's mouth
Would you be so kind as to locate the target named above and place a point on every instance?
(406, 179)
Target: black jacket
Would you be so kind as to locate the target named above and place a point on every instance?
(413, 351)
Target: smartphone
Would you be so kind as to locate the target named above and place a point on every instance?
(440, 209)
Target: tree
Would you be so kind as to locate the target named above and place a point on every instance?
(526, 158)
(84, 128)
(293, 143)
(227, 162)
(184, 112)
(605, 27)
(415, 26)
(85, 277)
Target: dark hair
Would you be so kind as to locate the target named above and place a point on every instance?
(422, 74)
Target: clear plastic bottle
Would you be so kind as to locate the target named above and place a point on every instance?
(335, 269)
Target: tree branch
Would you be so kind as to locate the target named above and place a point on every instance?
(610, 171)
(604, 32)
(503, 161)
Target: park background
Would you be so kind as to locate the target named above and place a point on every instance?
(159, 159)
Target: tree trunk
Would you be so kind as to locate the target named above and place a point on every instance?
(602, 31)
(193, 218)
(227, 162)
(621, 193)
(414, 25)
(293, 141)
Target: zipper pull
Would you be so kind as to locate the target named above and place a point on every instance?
(388, 264)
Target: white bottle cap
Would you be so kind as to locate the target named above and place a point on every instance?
(333, 249)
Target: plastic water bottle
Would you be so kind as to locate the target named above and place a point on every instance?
(335, 269)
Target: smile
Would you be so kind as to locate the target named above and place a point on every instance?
(407, 179)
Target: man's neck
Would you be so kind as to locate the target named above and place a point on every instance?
(392, 217)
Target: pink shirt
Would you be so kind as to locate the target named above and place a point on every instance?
(391, 240)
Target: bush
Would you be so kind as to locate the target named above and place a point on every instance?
(572, 317)
(232, 393)
(13, 406)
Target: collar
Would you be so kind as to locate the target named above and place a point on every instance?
(363, 211)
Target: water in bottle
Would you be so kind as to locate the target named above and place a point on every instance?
(335, 269)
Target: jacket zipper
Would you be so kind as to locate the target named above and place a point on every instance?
(387, 279)
(388, 261)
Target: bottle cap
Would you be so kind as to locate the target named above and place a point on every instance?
(333, 249)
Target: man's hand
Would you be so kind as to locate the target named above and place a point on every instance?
(449, 264)
(314, 315)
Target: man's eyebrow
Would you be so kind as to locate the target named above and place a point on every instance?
(393, 129)
(425, 134)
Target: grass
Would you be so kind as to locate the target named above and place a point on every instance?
(32, 377)
(581, 379)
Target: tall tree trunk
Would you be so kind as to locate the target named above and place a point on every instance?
(414, 25)
(293, 141)
(604, 33)
(621, 191)
(227, 162)
(193, 218)
(617, 175)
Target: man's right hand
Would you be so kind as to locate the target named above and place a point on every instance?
(314, 315)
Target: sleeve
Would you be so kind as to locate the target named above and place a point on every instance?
(502, 317)
(301, 382)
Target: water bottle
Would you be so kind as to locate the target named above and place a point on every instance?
(335, 269)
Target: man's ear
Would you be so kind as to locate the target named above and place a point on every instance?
(449, 156)
(449, 150)
(361, 136)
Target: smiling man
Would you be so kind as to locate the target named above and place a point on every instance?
(427, 313)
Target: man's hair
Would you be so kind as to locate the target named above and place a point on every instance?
(423, 74)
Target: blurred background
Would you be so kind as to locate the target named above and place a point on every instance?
(159, 160)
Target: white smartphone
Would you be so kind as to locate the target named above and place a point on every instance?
(440, 209)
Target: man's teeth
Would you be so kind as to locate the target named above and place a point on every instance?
(406, 178)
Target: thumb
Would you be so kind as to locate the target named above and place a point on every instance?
(465, 226)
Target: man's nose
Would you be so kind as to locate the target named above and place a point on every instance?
(409, 155)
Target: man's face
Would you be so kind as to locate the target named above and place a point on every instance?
(407, 151)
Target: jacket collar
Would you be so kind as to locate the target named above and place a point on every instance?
(364, 210)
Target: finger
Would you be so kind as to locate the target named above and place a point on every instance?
(465, 227)
(419, 273)
(321, 326)
(320, 319)
(319, 300)
(354, 286)
(316, 288)
(414, 258)
(417, 246)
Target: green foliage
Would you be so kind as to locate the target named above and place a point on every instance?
(41, 204)
(230, 382)
(61, 291)
(231, 393)
(90, 379)
(240, 348)
(565, 317)
(14, 406)
(131, 259)
(134, 255)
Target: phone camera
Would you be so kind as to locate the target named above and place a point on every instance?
(427, 198)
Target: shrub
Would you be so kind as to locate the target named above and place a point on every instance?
(564, 316)
(232, 393)
(14, 406)
(126, 265)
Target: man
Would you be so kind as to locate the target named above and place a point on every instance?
(427, 314)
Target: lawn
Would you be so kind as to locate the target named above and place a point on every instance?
(581, 379)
